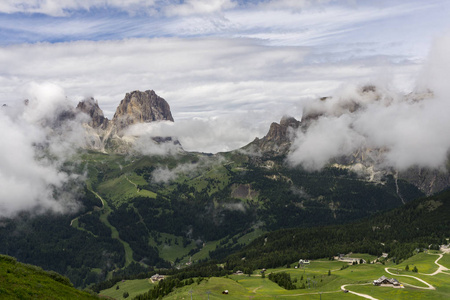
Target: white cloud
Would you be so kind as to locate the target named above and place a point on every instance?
(65, 7)
(191, 7)
(165, 175)
(327, 138)
(198, 77)
(209, 135)
(409, 130)
(32, 153)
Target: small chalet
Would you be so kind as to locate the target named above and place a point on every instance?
(239, 272)
(304, 261)
(157, 277)
(384, 281)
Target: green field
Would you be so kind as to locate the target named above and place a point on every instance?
(133, 287)
(445, 261)
(21, 281)
(171, 251)
(356, 278)
(121, 189)
(424, 263)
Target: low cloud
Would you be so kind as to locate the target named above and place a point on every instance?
(209, 135)
(238, 206)
(149, 145)
(409, 130)
(192, 7)
(37, 139)
(165, 175)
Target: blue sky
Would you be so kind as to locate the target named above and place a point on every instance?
(247, 61)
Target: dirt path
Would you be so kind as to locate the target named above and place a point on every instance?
(358, 294)
(135, 185)
(441, 267)
(430, 287)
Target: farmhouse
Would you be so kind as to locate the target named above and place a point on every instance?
(304, 261)
(384, 281)
(157, 277)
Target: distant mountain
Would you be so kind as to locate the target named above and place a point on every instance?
(137, 107)
(278, 140)
(141, 107)
(143, 211)
(368, 163)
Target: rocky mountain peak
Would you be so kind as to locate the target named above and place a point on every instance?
(141, 107)
(278, 139)
(90, 107)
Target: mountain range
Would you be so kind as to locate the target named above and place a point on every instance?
(170, 209)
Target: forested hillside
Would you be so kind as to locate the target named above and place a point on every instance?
(420, 224)
(140, 212)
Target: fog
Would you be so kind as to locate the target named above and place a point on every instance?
(411, 130)
(35, 144)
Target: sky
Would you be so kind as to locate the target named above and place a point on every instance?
(216, 58)
(228, 69)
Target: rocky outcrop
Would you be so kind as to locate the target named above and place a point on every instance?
(278, 139)
(141, 107)
(137, 107)
(428, 181)
(90, 107)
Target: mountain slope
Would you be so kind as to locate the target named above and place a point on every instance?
(422, 223)
(21, 281)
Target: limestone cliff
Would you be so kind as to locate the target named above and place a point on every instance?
(90, 107)
(110, 135)
(141, 107)
(278, 139)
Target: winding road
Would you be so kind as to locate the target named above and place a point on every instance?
(441, 269)
(358, 294)
(430, 287)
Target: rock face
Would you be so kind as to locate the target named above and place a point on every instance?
(367, 162)
(90, 107)
(141, 107)
(278, 139)
(137, 107)
(427, 180)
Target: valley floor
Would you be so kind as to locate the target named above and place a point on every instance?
(352, 282)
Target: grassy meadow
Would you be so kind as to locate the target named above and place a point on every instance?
(320, 285)
(133, 287)
(22, 281)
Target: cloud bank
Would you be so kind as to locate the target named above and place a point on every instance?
(202, 78)
(211, 135)
(409, 130)
(62, 8)
(36, 140)
(165, 175)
